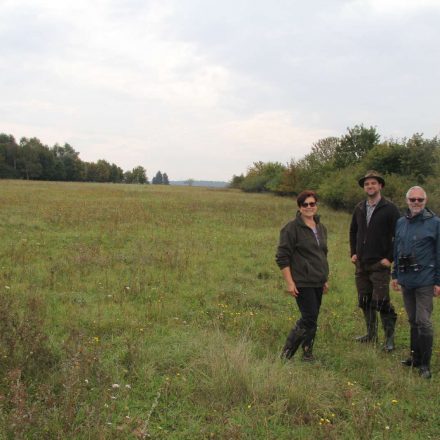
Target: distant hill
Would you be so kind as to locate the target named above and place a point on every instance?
(209, 183)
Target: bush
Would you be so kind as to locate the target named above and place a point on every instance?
(341, 190)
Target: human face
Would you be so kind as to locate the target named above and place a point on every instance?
(308, 211)
(419, 201)
(372, 187)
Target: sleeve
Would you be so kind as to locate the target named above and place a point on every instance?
(437, 254)
(285, 248)
(393, 223)
(324, 234)
(353, 233)
(395, 257)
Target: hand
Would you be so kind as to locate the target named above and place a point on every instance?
(292, 290)
(325, 288)
(385, 262)
(354, 258)
(395, 285)
(436, 291)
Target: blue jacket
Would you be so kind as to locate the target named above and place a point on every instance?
(419, 237)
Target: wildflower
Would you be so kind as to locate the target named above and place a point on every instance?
(7, 287)
(350, 384)
(115, 386)
(86, 381)
(113, 397)
(249, 406)
(387, 428)
(127, 287)
(394, 401)
(128, 387)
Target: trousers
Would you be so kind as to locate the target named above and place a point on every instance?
(309, 302)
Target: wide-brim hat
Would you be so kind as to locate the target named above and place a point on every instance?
(371, 175)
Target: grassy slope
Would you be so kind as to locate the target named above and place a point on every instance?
(172, 295)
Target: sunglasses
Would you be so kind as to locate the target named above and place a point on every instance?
(416, 199)
(311, 204)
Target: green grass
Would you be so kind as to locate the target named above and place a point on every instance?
(159, 312)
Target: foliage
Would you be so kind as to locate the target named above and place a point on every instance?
(263, 177)
(354, 145)
(160, 179)
(334, 166)
(157, 179)
(32, 160)
(236, 181)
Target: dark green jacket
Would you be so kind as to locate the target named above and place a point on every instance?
(299, 250)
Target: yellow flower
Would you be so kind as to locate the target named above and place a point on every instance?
(394, 401)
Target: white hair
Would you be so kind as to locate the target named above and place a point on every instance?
(415, 187)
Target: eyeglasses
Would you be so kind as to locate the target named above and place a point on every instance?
(311, 204)
(416, 199)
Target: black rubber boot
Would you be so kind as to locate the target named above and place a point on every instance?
(425, 345)
(293, 341)
(388, 324)
(414, 359)
(370, 316)
(307, 346)
(307, 355)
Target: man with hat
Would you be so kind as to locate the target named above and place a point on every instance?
(371, 243)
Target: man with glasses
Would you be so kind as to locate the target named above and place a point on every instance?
(417, 271)
(371, 242)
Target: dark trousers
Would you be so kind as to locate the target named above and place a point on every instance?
(309, 302)
(372, 283)
(418, 305)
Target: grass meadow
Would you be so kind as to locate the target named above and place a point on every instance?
(134, 312)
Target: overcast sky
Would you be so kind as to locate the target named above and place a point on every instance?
(202, 89)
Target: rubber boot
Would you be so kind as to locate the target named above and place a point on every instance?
(425, 344)
(370, 316)
(414, 359)
(307, 346)
(307, 355)
(293, 341)
(388, 323)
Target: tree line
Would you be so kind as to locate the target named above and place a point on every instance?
(30, 159)
(336, 163)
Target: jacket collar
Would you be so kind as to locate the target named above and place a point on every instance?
(301, 221)
(423, 215)
(383, 201)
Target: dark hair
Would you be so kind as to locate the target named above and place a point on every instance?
(302, 196)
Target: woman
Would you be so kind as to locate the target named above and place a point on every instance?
(302, 258)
